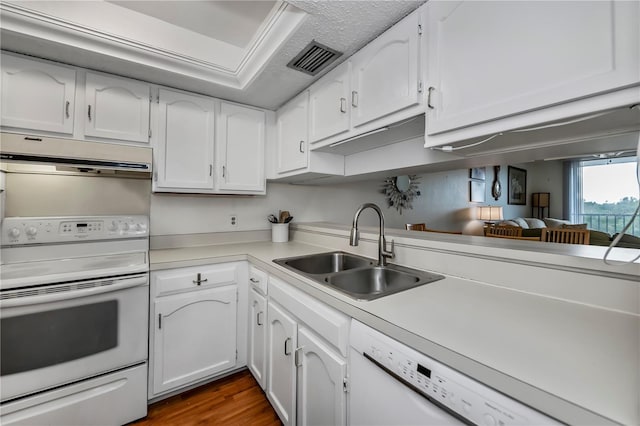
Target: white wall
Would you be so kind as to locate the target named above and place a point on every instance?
(444, 200)
(548, 178)
(187, 214)
(443, 203)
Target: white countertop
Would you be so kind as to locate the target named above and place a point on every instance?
(575, 362)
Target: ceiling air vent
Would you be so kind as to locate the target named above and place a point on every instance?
(314, 58)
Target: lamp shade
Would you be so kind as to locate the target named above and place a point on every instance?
(540, 199)
(489, 213)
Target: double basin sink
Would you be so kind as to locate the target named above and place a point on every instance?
(356, 276)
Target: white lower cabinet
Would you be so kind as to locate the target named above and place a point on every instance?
(321, 382)
(306, 350)
(281, 388)
(196, 325)
(257, 351)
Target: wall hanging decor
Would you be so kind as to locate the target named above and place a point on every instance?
(400, 191)
(517, 186)
(477, 173)
(476, 191)
(496, 186)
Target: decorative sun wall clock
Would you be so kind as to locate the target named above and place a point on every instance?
(400, 191)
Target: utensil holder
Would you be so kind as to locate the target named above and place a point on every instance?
(279, 232)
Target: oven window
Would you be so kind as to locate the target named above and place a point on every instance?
(29, 342)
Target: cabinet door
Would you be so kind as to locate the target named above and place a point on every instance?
(194, 337)
(292, 144)
(37, 95)
(258, 336)
(185, 141)
(116, 108)
(322, 398)
(240, 145)
(385, 73)
(489, 60)
(281, 387)
(330, 104)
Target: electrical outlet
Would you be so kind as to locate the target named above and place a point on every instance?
(233, 220)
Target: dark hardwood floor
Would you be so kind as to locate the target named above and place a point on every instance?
(234, 400)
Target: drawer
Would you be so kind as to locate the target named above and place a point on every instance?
(186, 279)
(324, 320)
(258, 280)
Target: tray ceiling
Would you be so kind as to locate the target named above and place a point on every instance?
(236, 50)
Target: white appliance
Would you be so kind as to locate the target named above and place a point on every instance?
(74, 300)
(392, 384)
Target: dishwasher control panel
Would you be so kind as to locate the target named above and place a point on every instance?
(469, 399)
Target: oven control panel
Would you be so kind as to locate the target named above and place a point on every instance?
(41, 230)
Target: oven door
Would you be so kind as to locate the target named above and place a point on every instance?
(57, 334)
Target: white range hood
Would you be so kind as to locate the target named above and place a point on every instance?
(75, 155)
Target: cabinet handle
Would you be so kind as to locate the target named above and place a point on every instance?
(431, 89)
(199, 279)
(301, 146)
(224, 171)
(343, 105)
(211, 170)
(160, 321)
(66, 108)
(287, 352)
(258, 318)
(28, 138)
(253, 280)
(89, 112)
(354, 99)
(296, 357)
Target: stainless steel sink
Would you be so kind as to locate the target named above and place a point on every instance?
(325, 263)
(356, 276)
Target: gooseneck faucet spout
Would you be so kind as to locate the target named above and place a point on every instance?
(354, 237)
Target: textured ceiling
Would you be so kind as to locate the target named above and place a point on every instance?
(342, 25)
(345, 26)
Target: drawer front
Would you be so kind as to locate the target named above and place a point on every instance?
(326, 321)
(258, 280)
(193, 278)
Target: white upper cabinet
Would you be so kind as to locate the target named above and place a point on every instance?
(385, 73)
(489, 60)
(37, 95)
(185, 140)
(240, 148)
(329, 104)
(292, 140)
(116, 108)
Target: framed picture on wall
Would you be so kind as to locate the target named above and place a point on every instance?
(517, 186)
(477, 173)
(476, 191)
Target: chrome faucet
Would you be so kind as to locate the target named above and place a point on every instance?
(383, 254)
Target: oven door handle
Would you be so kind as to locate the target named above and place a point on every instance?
(13, 298)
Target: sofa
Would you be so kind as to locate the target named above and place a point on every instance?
(532, 227)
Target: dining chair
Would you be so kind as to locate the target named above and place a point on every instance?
(504, 231)
(415, 227)
(566, 236)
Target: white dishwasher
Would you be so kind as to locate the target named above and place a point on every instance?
(392, 384)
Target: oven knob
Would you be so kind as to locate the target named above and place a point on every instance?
(14, 232)
(489, 420)
(125, 226)
(32, 231)
(113, 226)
